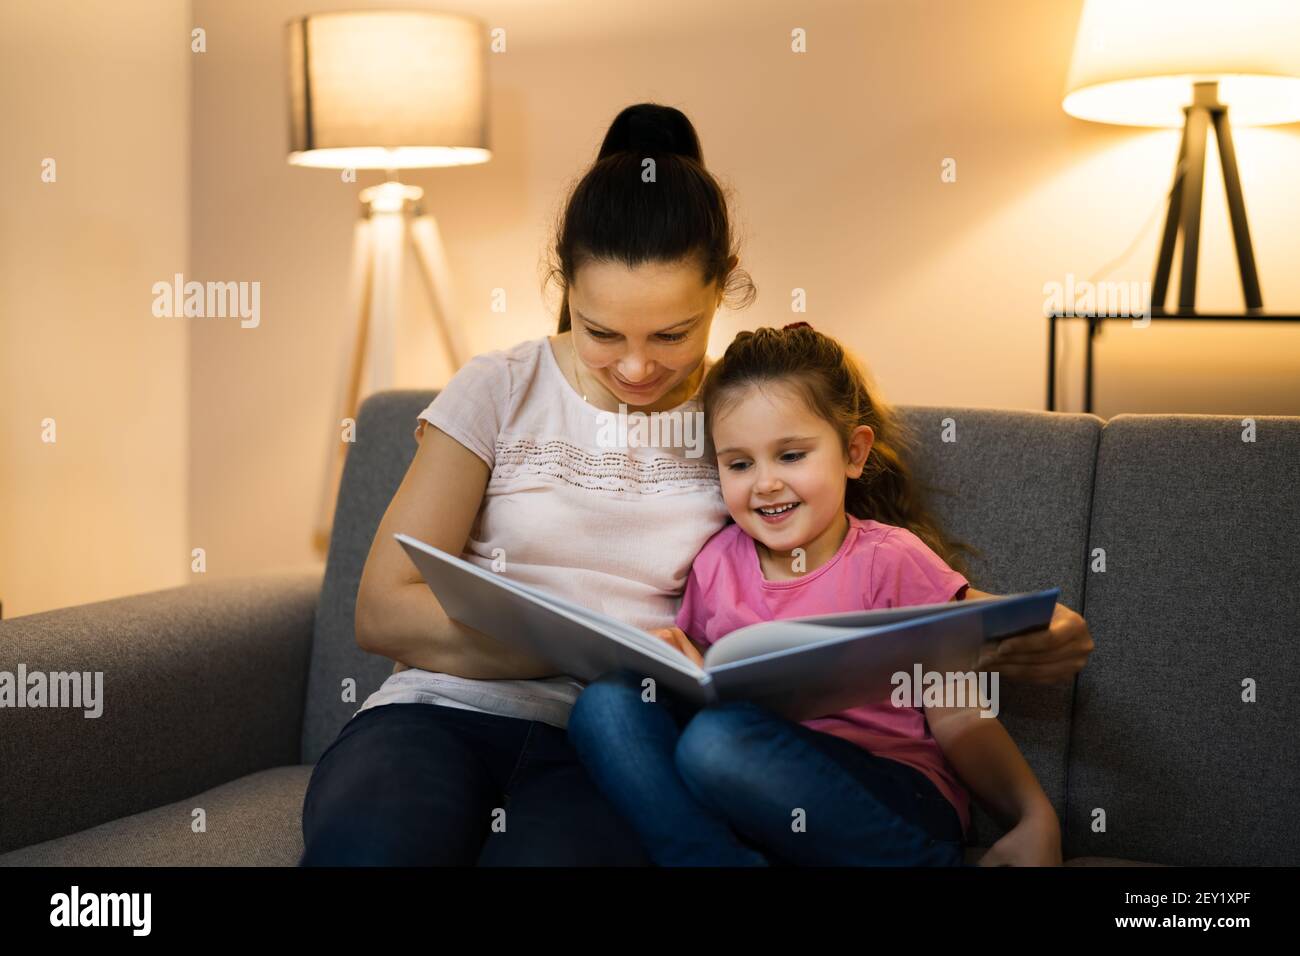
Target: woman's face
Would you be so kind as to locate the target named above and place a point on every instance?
(641, 332)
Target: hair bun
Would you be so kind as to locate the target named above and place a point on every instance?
(648, 128)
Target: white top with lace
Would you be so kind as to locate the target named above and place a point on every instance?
(595, 513)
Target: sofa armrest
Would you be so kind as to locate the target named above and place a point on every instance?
(201, 685)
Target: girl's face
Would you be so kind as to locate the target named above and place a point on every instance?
(643, 332)
(783, 468)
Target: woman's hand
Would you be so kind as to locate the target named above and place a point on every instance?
(675, 637)
(1034, 841)
(1049, 656)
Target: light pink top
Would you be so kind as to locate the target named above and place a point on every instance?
(877, 566)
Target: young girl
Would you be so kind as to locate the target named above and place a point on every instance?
(826, 520)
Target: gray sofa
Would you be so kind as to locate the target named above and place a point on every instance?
(219, 696)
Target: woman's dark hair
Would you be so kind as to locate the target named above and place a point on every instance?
(618, 213)
(837, 390)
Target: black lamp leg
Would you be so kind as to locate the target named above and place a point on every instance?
(1237, 211)
(1189, 216)
(1165, 261)
(1184, 213)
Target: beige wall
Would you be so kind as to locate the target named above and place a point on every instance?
(101, 511)
(834, 156)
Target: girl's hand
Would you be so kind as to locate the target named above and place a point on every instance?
(675, 637)
(1048, 656)
(1034, 841)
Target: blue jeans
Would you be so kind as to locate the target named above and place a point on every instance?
(736, 785)
(426, 785)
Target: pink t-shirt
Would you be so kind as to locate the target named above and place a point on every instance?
(877, 566)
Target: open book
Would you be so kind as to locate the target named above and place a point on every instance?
(798, 667)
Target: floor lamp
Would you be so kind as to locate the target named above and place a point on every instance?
(1186, 63)
(385, 91)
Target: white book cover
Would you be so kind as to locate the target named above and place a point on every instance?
(798, 667)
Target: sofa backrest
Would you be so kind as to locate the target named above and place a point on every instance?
(1199, 530)
(1197, 609)
(375, 465)
(1017, 486)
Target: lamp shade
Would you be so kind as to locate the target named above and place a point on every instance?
(1135, 61)
(387, 90)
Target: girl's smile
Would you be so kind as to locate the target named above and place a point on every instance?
(775, 514)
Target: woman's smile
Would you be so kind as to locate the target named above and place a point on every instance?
(640, 388)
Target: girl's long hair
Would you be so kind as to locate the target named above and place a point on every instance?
(837, 390)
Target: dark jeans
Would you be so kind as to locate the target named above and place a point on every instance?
(423, 784)
(736, 785)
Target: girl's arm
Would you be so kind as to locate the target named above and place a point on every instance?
(990, 764)
(1048, 656)
(676, 637)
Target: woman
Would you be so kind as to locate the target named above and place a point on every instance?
(461, 757)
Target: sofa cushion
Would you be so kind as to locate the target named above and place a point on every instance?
(1017, 486)
(376, 463)
(201, 684)
(1198, 596)
(253, 821)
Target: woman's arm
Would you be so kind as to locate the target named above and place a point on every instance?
(990, 764)
(1048, 656)
(397, 615)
